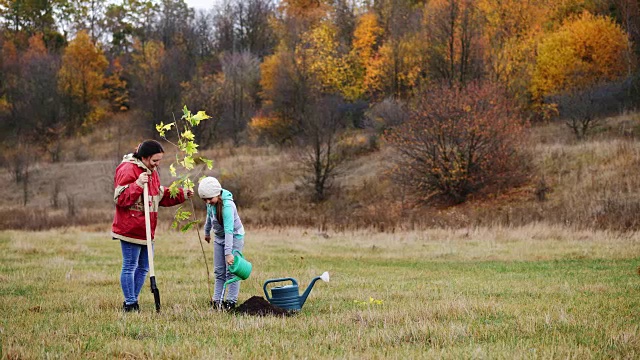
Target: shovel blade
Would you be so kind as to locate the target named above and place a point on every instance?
(156, 293)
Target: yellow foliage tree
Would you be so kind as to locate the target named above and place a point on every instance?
(147, 57)
(81, 79)
(330, 70)
(585, 51)
(397, 66)
(512, 29)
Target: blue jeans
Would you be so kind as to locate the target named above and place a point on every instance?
(221, 272)
(135, 266)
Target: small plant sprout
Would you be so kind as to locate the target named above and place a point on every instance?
(186, 161)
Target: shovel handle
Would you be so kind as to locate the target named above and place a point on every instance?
(264, 287)
(147, 224)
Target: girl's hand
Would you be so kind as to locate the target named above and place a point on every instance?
(142, 179)
(207, 238)
(229, 259)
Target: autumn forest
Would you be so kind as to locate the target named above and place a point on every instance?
(451, 85)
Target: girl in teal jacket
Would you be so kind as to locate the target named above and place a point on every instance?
(223, 219)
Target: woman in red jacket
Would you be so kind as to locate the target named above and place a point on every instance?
(128, 224)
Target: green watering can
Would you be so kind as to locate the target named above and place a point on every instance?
(286, 297)
(241, 268)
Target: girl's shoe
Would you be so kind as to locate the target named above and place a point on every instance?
(228, 305)
(131, 307)
(214, 304)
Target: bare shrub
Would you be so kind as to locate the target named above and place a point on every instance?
(459, 141)
(71, 205)
(584, 111)
(541, 190)
(55, 194)
(388, 113)
(319, 159)
(19, 160)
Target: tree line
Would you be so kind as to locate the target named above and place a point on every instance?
(301, 72)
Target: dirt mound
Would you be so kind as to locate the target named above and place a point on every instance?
(257, 305)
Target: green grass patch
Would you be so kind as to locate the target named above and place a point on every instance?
(488, 293)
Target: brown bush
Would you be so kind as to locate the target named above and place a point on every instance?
(460, 141)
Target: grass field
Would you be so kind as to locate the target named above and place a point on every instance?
(530, 292)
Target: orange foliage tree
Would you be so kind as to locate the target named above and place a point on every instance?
(366, 40)
(285, 94)
(585, 51)
(117, 89)
(81, 80)
(459, 141)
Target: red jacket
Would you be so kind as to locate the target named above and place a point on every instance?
(128, 222)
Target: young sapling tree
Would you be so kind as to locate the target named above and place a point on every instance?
(182, 169)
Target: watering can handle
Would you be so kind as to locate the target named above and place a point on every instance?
(276, 280)
(239, 253)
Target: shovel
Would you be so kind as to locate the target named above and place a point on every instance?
(152, 275)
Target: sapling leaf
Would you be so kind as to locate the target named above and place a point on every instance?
(188, 184)
(188, 135)
(188, 163)
(159, 129)
(208, 162)
(191, 148)
(195, 119)
(181, 215)
(162, 128)
(188, 225)
(174, 189)
(184, 215)
(172, 170)
(186, 113)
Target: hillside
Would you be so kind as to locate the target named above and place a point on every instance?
(584, 184)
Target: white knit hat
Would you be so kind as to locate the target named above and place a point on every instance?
(209, 187)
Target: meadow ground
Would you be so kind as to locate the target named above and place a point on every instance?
(530, 292)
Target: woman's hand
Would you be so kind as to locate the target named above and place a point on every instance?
(142, 179)
(229, 259)
(189, 193)
(207, 238)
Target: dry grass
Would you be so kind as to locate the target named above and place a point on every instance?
(589, 184)
(531, 292)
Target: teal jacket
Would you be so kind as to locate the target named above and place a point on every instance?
(231, 228)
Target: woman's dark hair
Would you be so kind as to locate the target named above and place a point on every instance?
(148, 148)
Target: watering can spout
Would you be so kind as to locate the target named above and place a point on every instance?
(324, 277)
